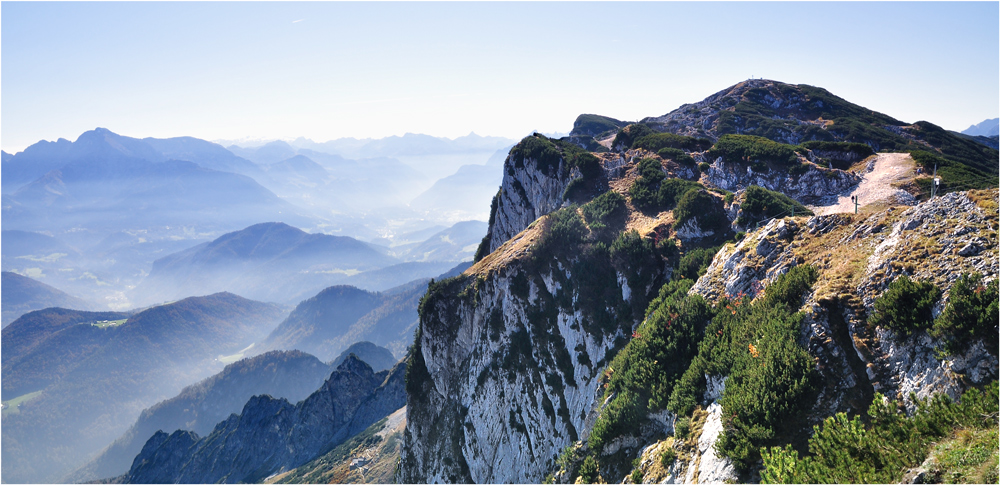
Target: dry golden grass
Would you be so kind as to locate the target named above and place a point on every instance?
(987, 200)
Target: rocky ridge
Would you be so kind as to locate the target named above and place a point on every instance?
(272, 435)
(505, 373)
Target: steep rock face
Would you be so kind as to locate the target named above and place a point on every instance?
(857, 257)
(272, 435)
(501, 398)
(528, 191)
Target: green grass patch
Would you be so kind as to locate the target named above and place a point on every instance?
(11, 407)
(970, 456)
(109, 323)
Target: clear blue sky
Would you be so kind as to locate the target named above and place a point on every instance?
(330, 70)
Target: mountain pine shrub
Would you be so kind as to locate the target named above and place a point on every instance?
(760, 204)
(657, 141)
(703, 206)
(882, 447)
(605, 214)
(676, 155)
(906, 306)
(971, 315)
(749, 148)
(771, 379)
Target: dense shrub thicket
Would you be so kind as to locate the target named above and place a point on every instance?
(698, 203)
(906, 306)
(642, 374)
(760, 204)
(971, 314)
(749, 148)
(605, 214)
(881, 448)
(954, 176)
(677, 155)
(653, 191)
(657, 141)
(628, 135)
(861, 149)
(771, 378)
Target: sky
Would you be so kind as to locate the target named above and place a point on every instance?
(231, 70)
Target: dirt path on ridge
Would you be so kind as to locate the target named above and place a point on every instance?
(877, 184)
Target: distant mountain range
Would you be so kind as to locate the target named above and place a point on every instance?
(290, 375)
(408, 144)
(338, 316)
(109, 205)
(277, 262)
(986, 128)
(96, 371)
(21, 295)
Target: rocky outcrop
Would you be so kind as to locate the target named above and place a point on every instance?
(697, 460)
(272, 435)
(749, 265)
(527, 192)
(936, 241)
(814, 185)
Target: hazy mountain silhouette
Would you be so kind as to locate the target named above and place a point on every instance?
(379, 358)
(96, 372)
(986, 128)
(267, 261)
(291, 375)
(21, 295)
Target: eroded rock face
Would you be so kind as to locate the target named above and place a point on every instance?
(526, 193)
(748, 266)
(710, 467)
(927, 243)
(502, 399)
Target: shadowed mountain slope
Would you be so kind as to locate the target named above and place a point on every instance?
(21, 295)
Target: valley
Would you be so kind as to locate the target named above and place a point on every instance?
(721, 293)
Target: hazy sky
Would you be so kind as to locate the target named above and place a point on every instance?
(331, 70)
